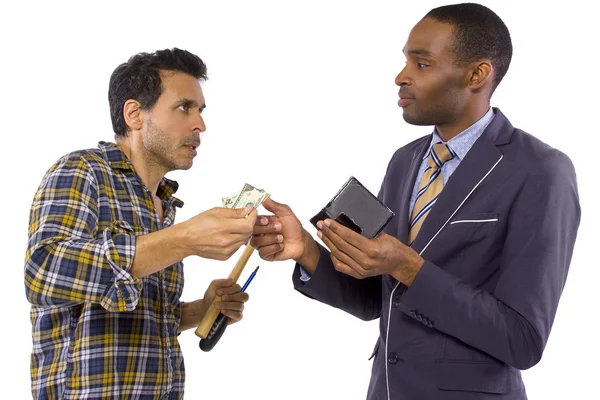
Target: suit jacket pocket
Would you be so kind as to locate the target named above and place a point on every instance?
(468, 247)
(471, 220)
(469, 229)
(472, 376)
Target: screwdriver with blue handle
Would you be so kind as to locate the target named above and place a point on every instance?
(218, 328)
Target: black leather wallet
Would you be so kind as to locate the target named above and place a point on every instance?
(356, 208)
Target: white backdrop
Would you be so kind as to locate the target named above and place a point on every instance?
(300, 96)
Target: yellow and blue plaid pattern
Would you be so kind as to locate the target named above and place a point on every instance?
(99, 332)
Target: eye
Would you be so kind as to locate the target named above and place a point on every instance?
(183, 107)
(421, 65)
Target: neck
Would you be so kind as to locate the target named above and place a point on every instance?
(469, 116)
(150, 172)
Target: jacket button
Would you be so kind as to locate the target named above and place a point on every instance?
(412, 314)
(392, 358)
(419, 318)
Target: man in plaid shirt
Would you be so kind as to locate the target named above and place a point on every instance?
(103, 267)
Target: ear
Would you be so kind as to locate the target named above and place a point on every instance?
(480, 72)
(133, 114)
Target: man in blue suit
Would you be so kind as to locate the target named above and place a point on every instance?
(467, 277)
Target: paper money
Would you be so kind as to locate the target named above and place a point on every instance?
(228, 201)
(248, 196)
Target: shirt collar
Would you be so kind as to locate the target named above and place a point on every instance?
(119, 161)
(462, 143)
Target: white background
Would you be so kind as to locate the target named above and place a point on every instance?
(300, 96)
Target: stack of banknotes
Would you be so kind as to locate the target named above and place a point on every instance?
(248, 196)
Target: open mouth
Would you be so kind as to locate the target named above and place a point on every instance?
(192, 146)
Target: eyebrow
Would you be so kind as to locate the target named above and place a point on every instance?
(419, 52)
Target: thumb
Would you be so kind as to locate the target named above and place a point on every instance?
(273, 206)
(247, 210)
(242, 212)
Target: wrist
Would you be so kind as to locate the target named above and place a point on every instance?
(310, 253)
(181, 240)
(407, 272)
(201, 309)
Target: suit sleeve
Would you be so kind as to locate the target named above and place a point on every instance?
(359, 297)
(513, 322)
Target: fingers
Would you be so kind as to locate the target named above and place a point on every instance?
(344, 268)
(346, 234)
(232, 305)
(266, 224)
(221, 283)
(229, 244)
(337, 241)
(267, 245)
(269, 253)
(225, 306)
(230, 301)
(241, 225)
(233, 213)
(264, 219)
(229, 289)
(251, 216)
(344, 263)
(266, 240)
(233, 316)
(340, 257)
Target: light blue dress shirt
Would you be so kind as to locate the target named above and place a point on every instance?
(460, 144)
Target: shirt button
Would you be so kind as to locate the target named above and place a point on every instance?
(392, 358)
(396, 301)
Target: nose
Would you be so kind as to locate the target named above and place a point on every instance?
(402, 78)
(199, 124)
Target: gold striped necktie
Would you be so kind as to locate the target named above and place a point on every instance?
(430, 187)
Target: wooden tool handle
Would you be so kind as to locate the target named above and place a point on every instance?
(212, 313)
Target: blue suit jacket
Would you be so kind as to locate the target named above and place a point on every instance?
(497, 247)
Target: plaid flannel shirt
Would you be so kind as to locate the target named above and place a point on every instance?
(98, 331)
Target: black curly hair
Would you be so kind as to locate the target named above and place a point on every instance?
(139, 79)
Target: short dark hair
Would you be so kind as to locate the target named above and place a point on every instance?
(139, 79)
(478, 33)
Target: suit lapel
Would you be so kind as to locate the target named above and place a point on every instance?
(407, 190)
(472, 169)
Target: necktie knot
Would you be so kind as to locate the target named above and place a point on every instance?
(439, 155)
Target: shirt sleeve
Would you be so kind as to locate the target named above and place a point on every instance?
(304, 276)
(68, 261)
